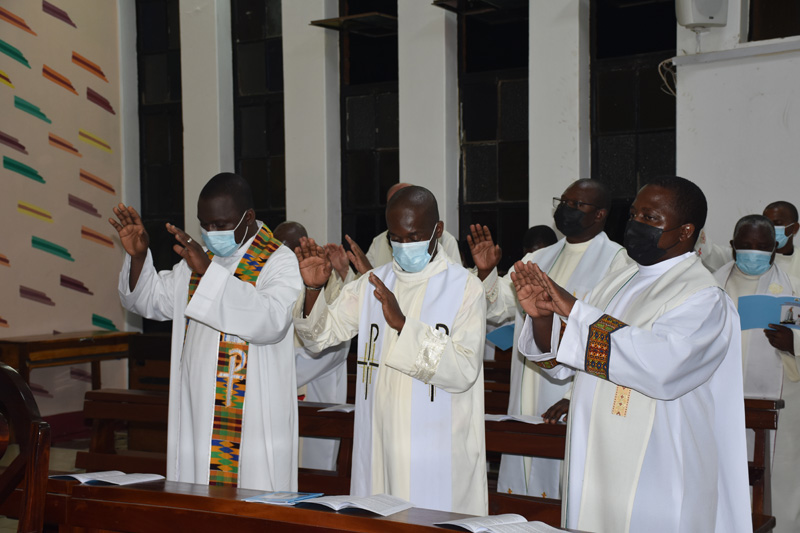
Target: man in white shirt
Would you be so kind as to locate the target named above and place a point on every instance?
(768, 357)
(231, 313)
(578, 261)
(419, 419)
(783, 216)
(656, 437)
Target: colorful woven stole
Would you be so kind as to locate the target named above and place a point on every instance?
(226, 435)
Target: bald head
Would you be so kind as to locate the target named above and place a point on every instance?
(416, 201)
(592, 192)
(289, 233)
(394, 188)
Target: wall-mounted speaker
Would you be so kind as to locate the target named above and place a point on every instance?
(696, 14)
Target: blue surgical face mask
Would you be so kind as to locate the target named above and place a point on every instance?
(412, 256)
(222, 243)
(753, 262)
(780, 235)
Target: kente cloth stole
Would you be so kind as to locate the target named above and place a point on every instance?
(226, 435)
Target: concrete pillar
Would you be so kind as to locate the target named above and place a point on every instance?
(311, 118)
(207, 81)
(428, 102)
(560, 138)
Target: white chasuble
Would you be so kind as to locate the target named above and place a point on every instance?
(258, 314)
(578, 268)
(429, 452)
(763, 365)
(431, 421)
(656, 428)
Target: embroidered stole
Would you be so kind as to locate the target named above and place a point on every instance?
(763, 372)
(622, 418)
(431, 426)
(593, 267)
(226, 437)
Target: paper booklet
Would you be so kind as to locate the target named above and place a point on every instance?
(503, 523)
(283, 498)
(341, 408)
(381, 504)
(761, 310)
(111, 477)
(528, 419)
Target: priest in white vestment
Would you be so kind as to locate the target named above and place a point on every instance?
(656, 436)
(578, 261)
(783, 216)
(768, 359)
(223, 429)
(419, 419)
(321, 377)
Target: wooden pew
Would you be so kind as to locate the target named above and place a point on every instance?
(108, 408)
(501, 437)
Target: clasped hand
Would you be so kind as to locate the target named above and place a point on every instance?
(539, 295)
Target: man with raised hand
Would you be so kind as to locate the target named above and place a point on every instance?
(578, 261)
(230, 307)
(420, 320)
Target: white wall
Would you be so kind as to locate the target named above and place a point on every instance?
(558, 101)
(738, 123)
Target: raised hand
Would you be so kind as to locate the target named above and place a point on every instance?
(315, 266)
(357, 256)
(781, 338)
(558, 299)
(485, 253)
(391, 309)
(529, 290)
(338, 256)
(190, 250)
(131, 231)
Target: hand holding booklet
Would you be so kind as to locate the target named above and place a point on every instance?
(381, 504)
(503, 523)
(111, 477)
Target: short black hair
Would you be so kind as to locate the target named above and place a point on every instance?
(689, 202)
(758, 221)
(539, 236)
(232, 185)
(782, 204)
(416, 197)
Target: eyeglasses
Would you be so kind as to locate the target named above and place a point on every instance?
(571, 203)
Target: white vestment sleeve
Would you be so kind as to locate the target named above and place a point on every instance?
(154, 292)
(260, 314)
(501, 298)
(681, 351)
(328, 325)
(450, 362)
(528, 348)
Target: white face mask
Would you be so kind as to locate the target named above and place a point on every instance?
(222, 243)
(412, 256)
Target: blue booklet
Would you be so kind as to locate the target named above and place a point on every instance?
(502, 337)
(283, 498)
(760, 310)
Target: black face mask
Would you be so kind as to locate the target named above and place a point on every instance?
(641, 242)
(569, 220)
